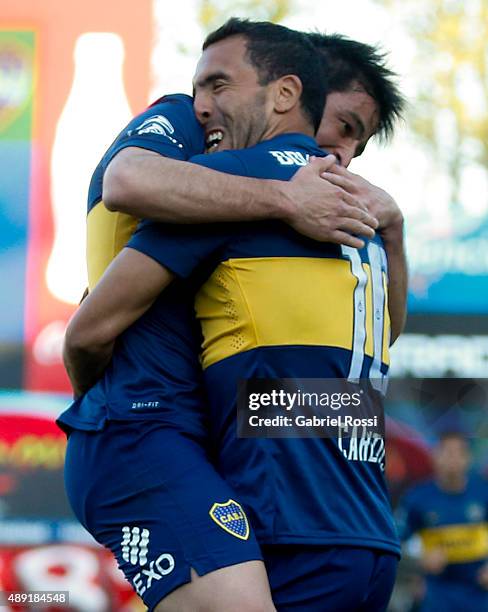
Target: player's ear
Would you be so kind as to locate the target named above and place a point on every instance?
(288, 90)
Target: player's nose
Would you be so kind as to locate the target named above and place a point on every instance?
(203, 106)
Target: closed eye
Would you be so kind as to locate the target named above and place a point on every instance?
(217, 85)
(211, 81)
(347, 128)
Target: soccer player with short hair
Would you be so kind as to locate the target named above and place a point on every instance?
(166, 514)
(450, 515)
(248, 111)
(363, 102)
(142, 175)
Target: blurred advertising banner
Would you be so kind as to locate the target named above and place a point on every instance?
(447, 327)
(65, 92)
(42, 546)
(32, 451)
(90, 576)
(16, 86)
(449, 272)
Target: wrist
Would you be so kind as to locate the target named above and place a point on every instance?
(281, 202)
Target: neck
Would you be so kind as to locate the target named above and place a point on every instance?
(452, 484)
(288, 125)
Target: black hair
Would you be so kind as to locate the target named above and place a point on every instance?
(348, 61)
(275, 51)
(453, 434)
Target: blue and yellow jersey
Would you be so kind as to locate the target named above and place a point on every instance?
(155, 372)
(274, 304)
(168, 127)
(456, 523)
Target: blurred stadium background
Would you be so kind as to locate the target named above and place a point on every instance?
(71, 75)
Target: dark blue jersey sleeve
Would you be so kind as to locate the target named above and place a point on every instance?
(184, 248)
(225, 161)
(168, 127)
(180, 248)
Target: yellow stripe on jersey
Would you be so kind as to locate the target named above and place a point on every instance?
(460, 543)
(106, 235)
(277, 301)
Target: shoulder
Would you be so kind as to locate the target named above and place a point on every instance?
(168, 127)
(161, 115)
(224, 161)
(173, 102)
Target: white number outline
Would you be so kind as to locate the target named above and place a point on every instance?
(377, 262)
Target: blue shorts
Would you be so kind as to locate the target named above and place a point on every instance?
(149, 494)
(330, 579)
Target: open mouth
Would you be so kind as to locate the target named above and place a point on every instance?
(213, 139)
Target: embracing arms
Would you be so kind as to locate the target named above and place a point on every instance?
(147, 185)
(384, 208)
(127, 289)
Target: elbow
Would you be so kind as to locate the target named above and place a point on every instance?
(117, 187)
(80, 340)
(121, 190)
(83, 360)
(111, 201)
(75, 342)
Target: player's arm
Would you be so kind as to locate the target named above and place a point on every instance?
(147, 185)
(390, 218)
(127, 289)
(393, 241)
(410, 522)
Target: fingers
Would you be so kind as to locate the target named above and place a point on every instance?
(338, 170)
(322, 164)
(350, 199)
(358, 210)
(351, 195)
(353, 211)
(353, 226)
(340, 237)
(340, 181)
(341, 171)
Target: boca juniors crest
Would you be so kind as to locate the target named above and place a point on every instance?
(231, 517)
